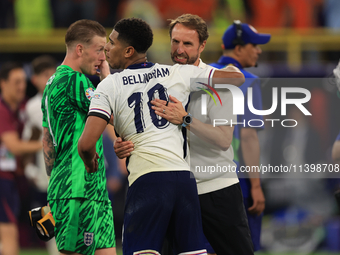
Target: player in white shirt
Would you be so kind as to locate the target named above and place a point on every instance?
(162, 195)
(223, 214)
(128, 94)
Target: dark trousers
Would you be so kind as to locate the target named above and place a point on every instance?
(225, 223)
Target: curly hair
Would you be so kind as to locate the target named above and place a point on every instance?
(193, 22)
(135, 32)
(83, 31)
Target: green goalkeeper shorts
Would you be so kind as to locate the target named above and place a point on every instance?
(82, 225)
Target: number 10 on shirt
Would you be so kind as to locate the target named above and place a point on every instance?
(136, 101)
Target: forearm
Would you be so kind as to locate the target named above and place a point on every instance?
(17, 146)
(86, 154)
(230, 75)
(251, 153)
(28, 147)
(220, 136)
(49, 151)
(94, 127)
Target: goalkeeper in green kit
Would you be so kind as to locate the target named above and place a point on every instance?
(79, 200)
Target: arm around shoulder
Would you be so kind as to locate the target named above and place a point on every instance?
(232, 74)
(94, 128)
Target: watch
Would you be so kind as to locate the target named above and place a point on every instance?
(187, 120)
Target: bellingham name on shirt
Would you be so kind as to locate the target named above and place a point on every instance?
(145, 77)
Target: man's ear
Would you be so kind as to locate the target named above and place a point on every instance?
(222, 46)
(80, 49)
(129, 51)
(238, 50)
(202, 46)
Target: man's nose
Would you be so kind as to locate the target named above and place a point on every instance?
(102, 55)
(180, 48)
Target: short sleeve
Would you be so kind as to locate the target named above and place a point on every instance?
(101, 103)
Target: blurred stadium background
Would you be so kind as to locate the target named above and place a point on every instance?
(301, 215)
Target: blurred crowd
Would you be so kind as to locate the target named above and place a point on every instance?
(217, 13)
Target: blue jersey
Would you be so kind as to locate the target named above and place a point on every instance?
(254, 82)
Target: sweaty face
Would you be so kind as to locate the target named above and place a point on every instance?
(250, 55)
(185, 46)
(115, 51)
(93, 55)
(15, 85)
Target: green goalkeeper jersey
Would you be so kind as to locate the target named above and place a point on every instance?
(65, 105)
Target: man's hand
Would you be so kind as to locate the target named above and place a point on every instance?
(123, 148)
(258, 200)
(173, 112)
(104, 70)
(93, 164)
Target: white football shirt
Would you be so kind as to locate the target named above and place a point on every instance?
(159, 145)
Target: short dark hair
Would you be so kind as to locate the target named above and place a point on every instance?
(193, 22)
(135, 32)
(42, 63)
(83, 31)
(7, 67)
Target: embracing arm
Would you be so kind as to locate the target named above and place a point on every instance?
(49, 152)
(122, 148)
(220, 136)
(230, 74)
(94, 127)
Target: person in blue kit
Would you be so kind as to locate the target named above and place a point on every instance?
(241, 49)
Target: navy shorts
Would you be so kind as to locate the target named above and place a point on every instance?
(159, 204)
(9, 201)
